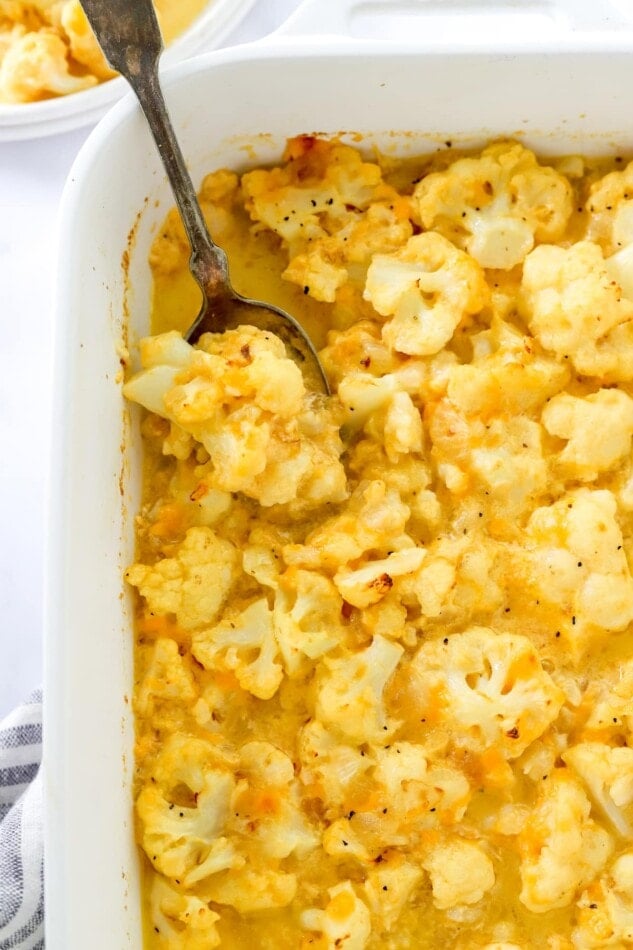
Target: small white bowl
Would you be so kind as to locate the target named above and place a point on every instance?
(31, 120)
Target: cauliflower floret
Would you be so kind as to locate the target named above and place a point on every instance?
(199, 503)
(436, 579)
(509, 461)
(562, 848)
(303, 625)
(36, 66)
(605, 910)
(266, 805)
(417, 786)
(367, 584)
(508, 373)
(489, 688)
(167, 677)
(611, 224)
(349, 691)
(405, 795)
(329, 767)
(410, 477)
(83, 45)
(461, 872)
(388, 888)
(503, 454)
(598, 429)
(496, 206)
(363, 394)
(180, 921)
(578, 563)
(428, 288)
(610, 206)
(575, 308)
(332, 260)
(358, 348)
(249, 890)
(611, 704)
(194, 583)
(244, 400)
(457, 580)
(306, 618)
(402, 431)
(373, 520)
(345, 923)
(183, 813)
(608, 775)
(331, 209)
(231, 645)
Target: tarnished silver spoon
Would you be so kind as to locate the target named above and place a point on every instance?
(129, 35)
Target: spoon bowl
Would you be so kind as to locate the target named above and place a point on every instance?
(130, 38)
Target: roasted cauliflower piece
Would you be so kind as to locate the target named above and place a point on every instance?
(184, 839)
(244, 400)
(562, 847)
(307, 618)
(181, 922)
(610, 211)
(331, 209)
(243, 642)
(350, 691)
(330, 764)
(508, 372)
(418, 786)
(84, 48)
(605, 910)
(389, 888)
(47, 48)
(374, 519)
(461, 872)
(576, 310)
(266, 805)
(496, 206)
(367, 584)
(345, 921)
(607, 773)
(167, 677)
(36, 67)
(598, 430)
(194, 584)
(489, 688)
(578, 563)
(427, 288)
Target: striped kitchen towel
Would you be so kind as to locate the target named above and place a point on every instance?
(21, 828)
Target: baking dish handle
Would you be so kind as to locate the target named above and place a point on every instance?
(459, 22)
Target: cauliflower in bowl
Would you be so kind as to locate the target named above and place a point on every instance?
(384, 639)
(47, 49)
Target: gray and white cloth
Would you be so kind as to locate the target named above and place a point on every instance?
(21, 831)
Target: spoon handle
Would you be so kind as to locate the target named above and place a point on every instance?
(130, 38)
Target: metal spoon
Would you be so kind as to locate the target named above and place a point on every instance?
(129, 35)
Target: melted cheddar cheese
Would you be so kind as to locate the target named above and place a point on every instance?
(384, 640)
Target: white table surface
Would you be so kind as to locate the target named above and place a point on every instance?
(32, 176)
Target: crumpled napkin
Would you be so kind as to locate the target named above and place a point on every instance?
(21, 828)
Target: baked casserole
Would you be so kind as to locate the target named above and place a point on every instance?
(384, 690)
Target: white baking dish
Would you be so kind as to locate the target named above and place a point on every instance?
(557, 75)
(51, 116)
